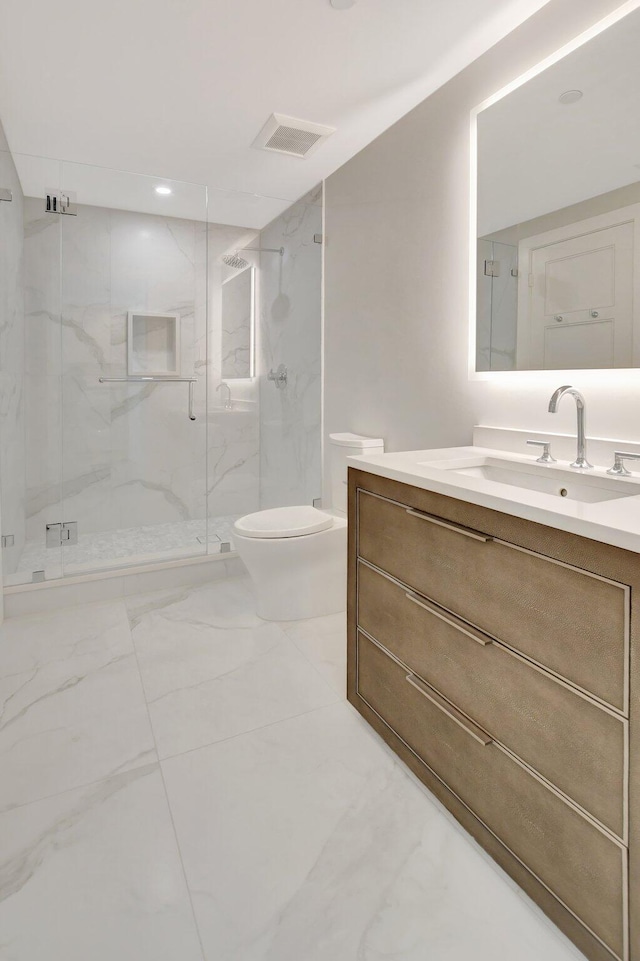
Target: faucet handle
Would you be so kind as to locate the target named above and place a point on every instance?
(545, 456)
(618, 465)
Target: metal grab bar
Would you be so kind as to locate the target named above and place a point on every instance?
(156, 380)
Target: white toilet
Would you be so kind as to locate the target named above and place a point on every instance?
(297, 556)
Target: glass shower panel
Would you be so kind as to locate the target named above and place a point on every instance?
(134, 354)
(32, 514)
(290, 334)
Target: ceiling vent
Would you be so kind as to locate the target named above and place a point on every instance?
(297, 138)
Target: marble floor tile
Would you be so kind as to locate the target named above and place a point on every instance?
(94, 874)
(306, 840)
(323, 641)
(301, 836)
(72, 708)
(212, 669)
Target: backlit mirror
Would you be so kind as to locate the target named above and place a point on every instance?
(237, 324)
(558, 213)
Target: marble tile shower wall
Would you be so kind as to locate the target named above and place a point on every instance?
(12, 460)
(128, 456)
(290, 333)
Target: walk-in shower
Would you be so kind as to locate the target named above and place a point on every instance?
(123, 314)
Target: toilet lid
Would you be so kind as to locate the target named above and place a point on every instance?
(284, 522)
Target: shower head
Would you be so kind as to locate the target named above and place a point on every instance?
(239, 263)
(233, 260)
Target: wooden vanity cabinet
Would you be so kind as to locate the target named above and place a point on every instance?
(499, 659)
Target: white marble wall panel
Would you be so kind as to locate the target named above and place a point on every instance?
(12, 453)
(234, 462)
(290, 333)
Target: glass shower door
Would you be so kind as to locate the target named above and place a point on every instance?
(134, 349)
(30, 371)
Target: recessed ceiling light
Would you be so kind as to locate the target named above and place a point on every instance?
(342, 4)
(165, 191)
(570, 96)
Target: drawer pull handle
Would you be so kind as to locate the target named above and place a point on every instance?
(474, 535)
(476, 732)
(450, 619)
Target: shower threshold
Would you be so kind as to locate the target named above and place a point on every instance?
(128, 547)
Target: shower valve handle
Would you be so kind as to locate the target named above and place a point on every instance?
(279, 376)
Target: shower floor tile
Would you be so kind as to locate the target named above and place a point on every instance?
(276, 826)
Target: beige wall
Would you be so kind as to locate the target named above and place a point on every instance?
(397, 274)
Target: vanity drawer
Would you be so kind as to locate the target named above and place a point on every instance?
(572, 622)
(580, 864)
(572, 742)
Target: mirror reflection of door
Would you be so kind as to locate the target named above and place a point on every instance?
(558, 175)
(580, 300)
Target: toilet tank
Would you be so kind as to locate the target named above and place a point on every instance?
(341, 447)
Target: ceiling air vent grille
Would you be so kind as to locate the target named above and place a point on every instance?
(297, 138)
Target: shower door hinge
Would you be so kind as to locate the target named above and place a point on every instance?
(62, 535)
(318, 238)
(492, 268)
(61, 202)
(8, 540)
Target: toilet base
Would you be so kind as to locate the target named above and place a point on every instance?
(298, 577)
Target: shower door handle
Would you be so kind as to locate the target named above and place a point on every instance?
(192, 416)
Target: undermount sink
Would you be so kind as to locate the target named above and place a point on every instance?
(544, 478)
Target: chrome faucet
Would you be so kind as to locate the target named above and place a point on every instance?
(228, 404)
(581, 462)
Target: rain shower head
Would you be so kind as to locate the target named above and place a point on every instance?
(239, 263)
(233, 260)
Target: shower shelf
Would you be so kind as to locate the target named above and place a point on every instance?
(156, 380)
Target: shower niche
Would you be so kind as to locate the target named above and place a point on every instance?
(153, 344)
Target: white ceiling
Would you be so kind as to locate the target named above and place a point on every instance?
(536, 155)
(179, 89)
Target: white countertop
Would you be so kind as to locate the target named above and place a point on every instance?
(615, 522)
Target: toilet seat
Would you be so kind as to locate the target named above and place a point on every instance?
(284, 522)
